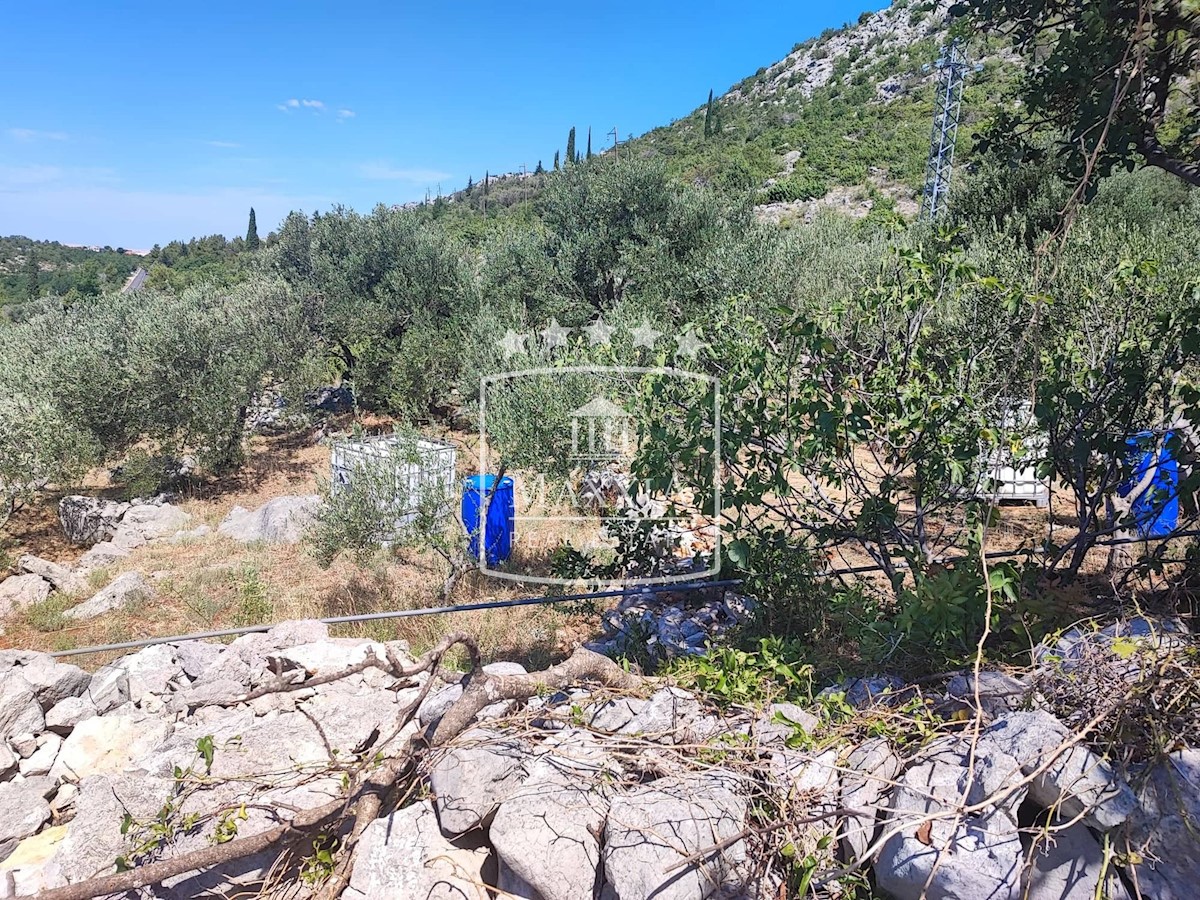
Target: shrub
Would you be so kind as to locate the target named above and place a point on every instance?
(797, 186)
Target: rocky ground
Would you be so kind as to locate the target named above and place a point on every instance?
(112, 531)
(249, 767)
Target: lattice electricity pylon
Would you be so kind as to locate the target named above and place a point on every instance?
(945, 129)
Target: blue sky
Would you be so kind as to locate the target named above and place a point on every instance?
(131, 124)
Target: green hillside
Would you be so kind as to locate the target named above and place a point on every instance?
(30, 269)
(851, 107)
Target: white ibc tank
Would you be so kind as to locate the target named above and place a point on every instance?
(400, 472)
(1009, 476)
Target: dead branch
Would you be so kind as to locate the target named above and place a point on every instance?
(483, 689)
(367, 798)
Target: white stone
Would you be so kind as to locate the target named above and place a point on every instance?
(152, 522)
(19, 591)
(125, 588)
(279, 521)
(404, 855)
(107, 744)
(42, 759)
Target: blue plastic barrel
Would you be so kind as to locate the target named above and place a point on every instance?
(500, 528)
(1155, 509)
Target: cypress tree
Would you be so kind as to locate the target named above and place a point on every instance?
(555, 160)
(32, 274)
(708, 115)
(470, 183)
(589, 149)
(252, 233)
(571, 145)
(540, 170)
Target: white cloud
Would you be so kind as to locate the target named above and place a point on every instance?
(228, 145)
(317, 106)
(345, 113)
(382, 171)
(28, 135)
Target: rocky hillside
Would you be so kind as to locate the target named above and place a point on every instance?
(299, 765)
(843, 121)
(851, 106)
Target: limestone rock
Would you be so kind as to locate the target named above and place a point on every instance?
(779, 721)
(68, 713)
(810, 785)
(107, 744)
(108, 689)
(404, 855)
(196, 656)
(657, 825)
(152, 521)
(998, 693)
(546, 833)
(297, 632)
(20, 712)
(213, 691)
(279, 521)
(613, 715)
(471, 779)
(435, 704)
(20, 591)
(667, 711)
(977, 855)
(151, 671)
(23, 810)
(101, 556)
(93, 840)
(89, 520)
(25, 864)
(1165, 831)
(1067, 866)
(866, 782)
(125, 588)
(52, 681)
(1077, 780)
(42, 759)
(64, 578)
(190, 534)
(328, 655)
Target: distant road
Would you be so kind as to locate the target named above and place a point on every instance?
(135, 280)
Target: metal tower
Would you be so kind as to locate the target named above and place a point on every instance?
(945, 129)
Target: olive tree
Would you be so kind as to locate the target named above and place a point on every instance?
(86, 383)
(383, 293)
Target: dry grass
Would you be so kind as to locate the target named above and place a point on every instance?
(213, 583)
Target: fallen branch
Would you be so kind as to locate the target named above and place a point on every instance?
(366, 796)
(483, 689)
(367, 800)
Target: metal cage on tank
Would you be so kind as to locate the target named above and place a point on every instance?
(1005, 475)
(400, 472)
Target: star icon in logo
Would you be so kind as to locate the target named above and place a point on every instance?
(513, 343)
(645, 335)
(554, 335)
(689, 343)
(599, 333)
